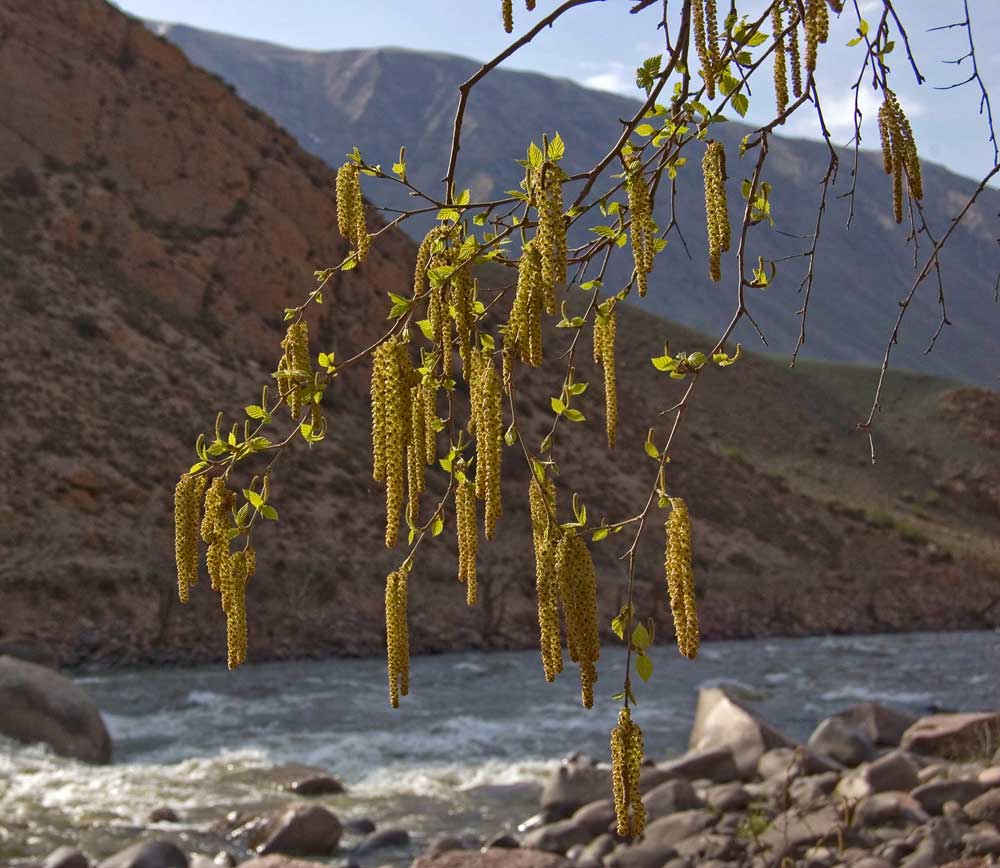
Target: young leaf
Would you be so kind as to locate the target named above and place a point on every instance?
(643, 666)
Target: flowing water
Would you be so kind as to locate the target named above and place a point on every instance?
(466, 752)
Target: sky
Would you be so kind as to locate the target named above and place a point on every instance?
(599, 45)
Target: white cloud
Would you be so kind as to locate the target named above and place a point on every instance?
(613, 76)
(838, 112)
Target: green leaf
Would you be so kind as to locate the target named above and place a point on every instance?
(740, 104)
(400, 169)
(254, 412)
(464, 198)
(201, 465)
(643, 666)
(437, 527)
(663, 363)
(254, 499)
(556, 149)
(645, 130)
(535, 158)
(425, 327)
(591, 284)
(449, 214)
(510, 435)
(651, 450)
(599, 534)
(618, 626)
(558, 406)
(578, 388)
(641, 638)
(574, 415)
(269, 512)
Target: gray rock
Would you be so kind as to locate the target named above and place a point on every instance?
(645, 854)
(676, 827)
(730, 823)
(818, 857)
(954, 736)
(683, 862)
(670, 797)
(592, 855)
(721, 721)
(558, 837)
(842, 742)
(989, 776)
(381, 839)
(496, 858)
(573, 785)
(359, 826)
(716, 764)
(540, 819)
(810, 789)
(933, 796)
(276, 860)
(148, 854)
(596, 817)
(793, 829)
(894, 771)
(727, 797)
(303, 829)
(501, 841)
(985, 807)
(163, 815)
(883, 726)
(442, 844)
(224, 858)
(66, 857)
(871, 862)
(881, 809)
(40, 705)
(928, 854)
(316, 785)
(981, 844)
(793, 762)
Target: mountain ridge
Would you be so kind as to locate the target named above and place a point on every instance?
(321, 97)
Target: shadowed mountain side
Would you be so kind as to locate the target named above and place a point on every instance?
(379, 99)
(152, 228)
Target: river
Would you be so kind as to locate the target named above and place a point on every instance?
(464, 754)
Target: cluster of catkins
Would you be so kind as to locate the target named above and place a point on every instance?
(228, 571)
(899, 152)
(640, 205)
(351, 209)
(626, 762)
(705, 18)
(564, 575)
(713, 166)
(507, 13)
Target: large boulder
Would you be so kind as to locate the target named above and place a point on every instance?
(559, 836)
(278, 861)
(842, 741)
(148, 854)
(883, 726)
(40, 705)
(596, 817)
(309, 830)
(574, 784)
(794, 829)
(722, 722)
(715, 764)
(985, 808)
(894, 771)
(954, 736)
(934, 795)
(670, 797)
(790, 763)
(880, 809)
(495, 858)
(66, 857)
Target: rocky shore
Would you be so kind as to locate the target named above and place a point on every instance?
(872, 787)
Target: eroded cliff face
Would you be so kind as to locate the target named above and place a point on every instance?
(152, 229)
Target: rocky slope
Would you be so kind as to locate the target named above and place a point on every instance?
(327, 100)
(153, 226)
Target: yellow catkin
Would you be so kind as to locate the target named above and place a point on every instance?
(780, 67)
(397, 637)
(712, 36)
(817, 25)
(468, 537)
(541, 497)
(296, 364)
(626, 763)
(605, 329)
(794, 55)
(214, 527)
(701, 46)
(680, 579)
(507, 13)
(423, 260)
(187, 516)
(487, 412)
(415, 454)
(393, 377)
(461, 302)
(641, 209)
(428, 393)
(578, 591)
(716, 210)
(551, 237)
(234, 605)
(351, 209)
(523, 332)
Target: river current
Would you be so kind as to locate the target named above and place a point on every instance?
(464, 754)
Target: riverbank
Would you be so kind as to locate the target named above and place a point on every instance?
(872, 787)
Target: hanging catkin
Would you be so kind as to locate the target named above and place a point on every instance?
(187, 516)
(541, 498)
(605, 328)
(716, 212)
(626, 763)
(680, 579)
